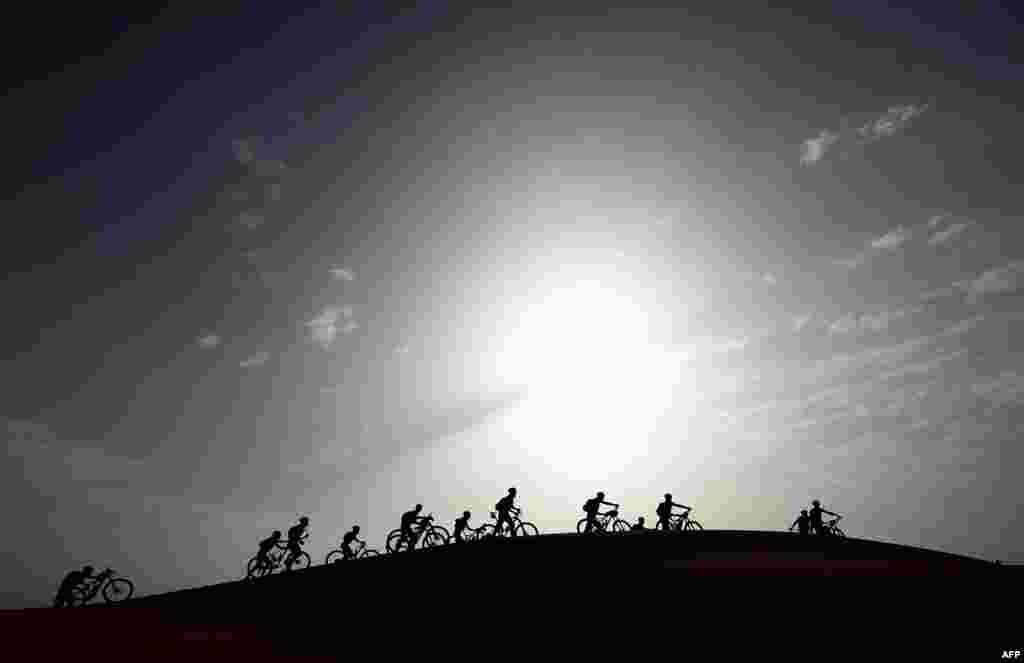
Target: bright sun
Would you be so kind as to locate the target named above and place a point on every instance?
(596, 386)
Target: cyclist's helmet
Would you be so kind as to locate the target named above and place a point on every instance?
(668, 496)
(276, 534)
(355, 528)
(640, 520)
(465, 514)
(816, 503)
(512, 491)
(600, 495)
(803, 512)
(87, 570)
(304, 520)
(419, 507)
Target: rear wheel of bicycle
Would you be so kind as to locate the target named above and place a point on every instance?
(254, 570)
(433, 539)
(443, 531)
(692, 526)
(369, 553)
(299, 562)
(527, 529)
(118, 589)
(334, 557)
(620, 526)
(485, 532)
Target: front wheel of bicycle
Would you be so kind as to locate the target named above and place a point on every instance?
(299, 562)
(334, 557)
(839, 533)
(692, 526)
(485, 532)
(620, 526)
(581, 526)
(527, 529)
(394, 541)
(254, 569)
(433, 539)
(118, 589)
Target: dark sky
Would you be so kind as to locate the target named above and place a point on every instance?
(264, 262)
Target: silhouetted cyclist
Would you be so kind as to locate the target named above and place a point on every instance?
(296, 535)
(266, 545)
(460, 526)
(410, 518)
(67, 586)
(504, 507)
(664, 511)
(816, 524)
(803, 521)
(639, 527)
(351, 536)
(591, 507)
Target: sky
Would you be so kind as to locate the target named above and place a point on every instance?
(270, 262)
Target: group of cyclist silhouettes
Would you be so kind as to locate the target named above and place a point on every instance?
(413, 524)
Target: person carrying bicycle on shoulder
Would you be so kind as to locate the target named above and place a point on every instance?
(816, 512)
(592, 508)
(266, 545)
(803, 521)
(664, 512)
(505, 507)
(461, 525)
(410, 518)
(351, 537)
(72, 581)
(296, 535)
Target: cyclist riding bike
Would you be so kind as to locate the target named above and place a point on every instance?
(803, 521)
(410, 518)
(351, 536)
(639, 527)
(71, 581)
(266, 545)
(461, 525)
(504, 507)
(816, 511)
(664, 512)
(592, 507)
(296, 535)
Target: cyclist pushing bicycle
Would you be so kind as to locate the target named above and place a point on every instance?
(410, 518)
(592, 507)
(664, 512)
(266, 545)
(461, 525)
(816, 511)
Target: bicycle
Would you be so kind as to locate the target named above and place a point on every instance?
(604, 522)
(113, 589)
(832, 529)
(519, 526)
(681, 522)
(274, 561)
(425, 533)
(336, 556)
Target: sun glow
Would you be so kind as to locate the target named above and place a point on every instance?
(596, 385)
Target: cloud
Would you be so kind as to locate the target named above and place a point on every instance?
(948, 234)
(999, 280)
(208, 341)
(257, 359)
(343, 274)
(870, 321)
(892, 121)
(325, 327)
(813, 149)
(891, 240)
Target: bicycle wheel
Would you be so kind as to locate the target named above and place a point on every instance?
(300, 561)
(253, 569)
(692, 525)
(334, 557)
(485, 532)
(527, 529)
(118, 589)
(369, 553)
(433, 539)
(443, 530)
(620, 526)
(392, 542)
(839, 533)
(581, 526)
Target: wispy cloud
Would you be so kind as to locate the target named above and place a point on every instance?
(813, 149)
(999, 280)
(331, 321)
(208, 341)
(947, 235)
(257, 359)
(892, 121)
(891, 240)
(343, 274)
